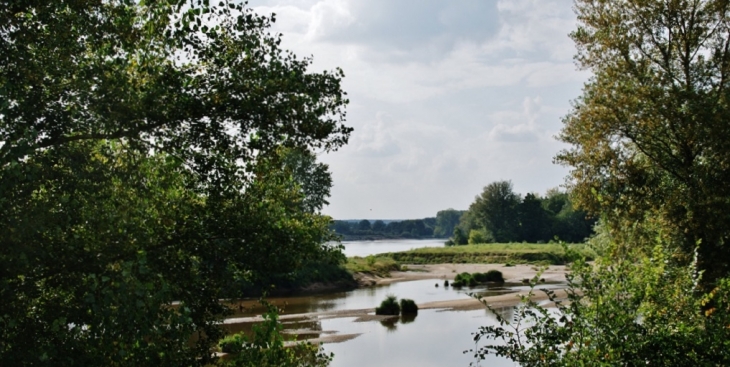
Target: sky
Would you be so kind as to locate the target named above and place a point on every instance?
(446, 97)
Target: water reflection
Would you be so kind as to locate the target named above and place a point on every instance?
(431, 338)
(434, 338)
(421, 291)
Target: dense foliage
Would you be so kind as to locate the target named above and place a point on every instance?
(621, 311)
(389, 306)
(142, 173)
(498, 214)
(648, 135)
(648, 155)
(266, 347)
(408, 306)
(472, 279)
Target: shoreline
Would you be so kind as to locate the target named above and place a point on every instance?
(514, 276)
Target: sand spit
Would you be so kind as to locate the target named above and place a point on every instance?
(513, 275)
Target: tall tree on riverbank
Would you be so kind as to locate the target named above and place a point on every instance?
(649, 156)
(648, 135)
(495, 209)
(138, 167)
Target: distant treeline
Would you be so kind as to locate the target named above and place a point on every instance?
(498, 215)
(379, 229)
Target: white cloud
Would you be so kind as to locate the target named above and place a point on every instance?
(446, 96)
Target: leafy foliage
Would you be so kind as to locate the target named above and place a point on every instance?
(267, 348)
(408, 306)
(472, 279)
(627, 311)
(140, 167)
(534, 219)
(389, 306)
(647, 134)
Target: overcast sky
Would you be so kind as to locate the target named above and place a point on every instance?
(445, 96)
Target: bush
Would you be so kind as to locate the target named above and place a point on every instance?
(232, 343)
(464, 279)
(494, 276)
(408, 306)
(389, 306)
(266, 348)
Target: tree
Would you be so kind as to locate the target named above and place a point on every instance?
(458, 237)
(648, 133)
(138, 167)
(477, 236)
(446, 221)
(378, 226)
(364, 225)
(313, 179)
(628, 310)
(533, 219)
(496, 211)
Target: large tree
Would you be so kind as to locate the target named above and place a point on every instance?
(139, 174)
(649, 133)
(496, 210)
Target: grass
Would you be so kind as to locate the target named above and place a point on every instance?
(378, 265)
(496, 253)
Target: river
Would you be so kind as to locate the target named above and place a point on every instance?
(434, 338)
(365, 248)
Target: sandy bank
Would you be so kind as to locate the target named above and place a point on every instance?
(512, 274)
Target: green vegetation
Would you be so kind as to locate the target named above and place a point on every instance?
(378, 265)
(648, 155)
(408, 306)
(151, 152)
(498, 214)
(647, 137)
(266, 347)
(389, 306)
(513, 253)
(365, 230)
(470, 280)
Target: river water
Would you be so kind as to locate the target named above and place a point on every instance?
(433, 338)
(365, 248)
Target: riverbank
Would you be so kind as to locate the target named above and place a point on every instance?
(514, 276)
(511, 274)
(493, 253)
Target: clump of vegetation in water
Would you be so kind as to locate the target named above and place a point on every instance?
(389, 306)
(408, 306)
(266, 347)
(490, 276)
(470, 280)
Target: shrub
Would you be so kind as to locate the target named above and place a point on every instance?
(494, 276)
(408, 306)
(232, 343)
(464, 279)
(266, 347)
(389, 306)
